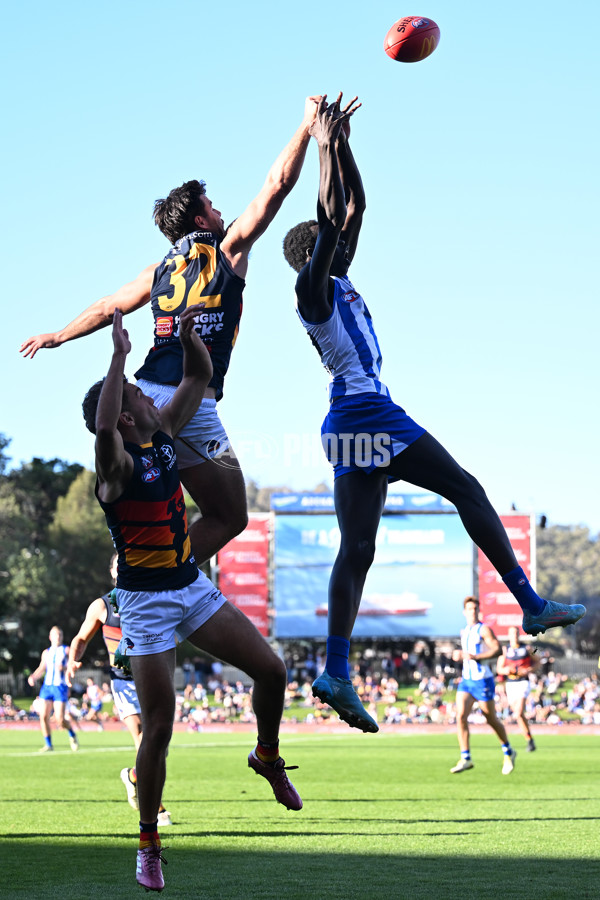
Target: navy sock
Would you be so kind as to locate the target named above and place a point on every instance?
(518, 584)
(338, 651)
(148, 827)
(71, 732)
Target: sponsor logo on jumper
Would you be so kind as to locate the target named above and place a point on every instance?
(130, 644)
(151, 475)
(147, 461)
(208, 323)
(168, 454)
(164, 326)
(351, 296)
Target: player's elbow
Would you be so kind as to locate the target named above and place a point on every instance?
(357, 205)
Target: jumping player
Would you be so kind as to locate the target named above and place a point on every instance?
(479, 644)
(55, 690)
(206, 263)
(369, 439)
(102, 615)
(160, 593)
(516, 663)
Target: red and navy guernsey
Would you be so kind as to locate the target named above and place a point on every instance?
(148, 522)
(194, 271)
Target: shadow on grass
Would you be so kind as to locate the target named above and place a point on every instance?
(105, 868)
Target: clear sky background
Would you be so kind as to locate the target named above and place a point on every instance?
(479, 251)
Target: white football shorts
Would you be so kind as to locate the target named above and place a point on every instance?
(203, 437)
(517, 690)
(154, 621)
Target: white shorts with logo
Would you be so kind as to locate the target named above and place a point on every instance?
(154, 621)
(125, 697)
(202, 438)
(517, 690)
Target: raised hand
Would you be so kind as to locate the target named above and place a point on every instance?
(330, 118)
(120, 336)
(186, 319)
(310, 108)
(346, 123)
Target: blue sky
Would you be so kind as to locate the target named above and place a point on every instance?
(477, 251)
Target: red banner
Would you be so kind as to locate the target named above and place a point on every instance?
(244, 571)
(498, 607)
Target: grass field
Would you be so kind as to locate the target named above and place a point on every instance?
(382, 818)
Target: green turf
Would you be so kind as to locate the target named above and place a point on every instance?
(382, 818)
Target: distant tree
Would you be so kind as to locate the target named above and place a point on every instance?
(4, 459)
(568, 566)
(82, 546)
(48, 566)
(34, 596)
(35, 488)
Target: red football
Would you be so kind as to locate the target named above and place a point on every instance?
(411, 39)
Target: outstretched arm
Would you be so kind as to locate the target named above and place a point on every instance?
(41, 670)
(113, 464)
(313, 281)
(128, 298)
(197, 372)
(354, 192)
(94, 619)
(282, 177)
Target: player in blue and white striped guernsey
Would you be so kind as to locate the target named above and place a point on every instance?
(54, 691)
(479, 644)
(369, 440)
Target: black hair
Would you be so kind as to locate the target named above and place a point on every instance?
(90, 404)
(298, 241)
(175, 214)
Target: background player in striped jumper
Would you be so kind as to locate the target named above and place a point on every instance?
(208, 262)
(516, 664)
(368, 438)
(102, 615)
(54, 691)
(479, 644)
(161, 595)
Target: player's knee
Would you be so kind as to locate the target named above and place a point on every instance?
(358, 555)
(237, 522)
(464, 486)
(158, 731)
(273, 673)
(474, 490)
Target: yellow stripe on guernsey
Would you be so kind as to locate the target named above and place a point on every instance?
(151, 559)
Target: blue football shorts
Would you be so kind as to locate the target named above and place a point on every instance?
(363, 432)
(57, 692)
(482, 689)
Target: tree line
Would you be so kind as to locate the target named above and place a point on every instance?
(56, 552)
